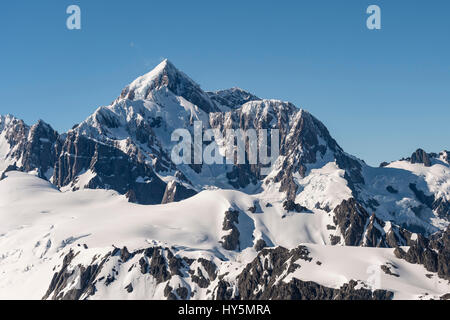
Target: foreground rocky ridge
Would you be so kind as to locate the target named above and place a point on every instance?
(184, 278)
(274, 273)
(433, 253)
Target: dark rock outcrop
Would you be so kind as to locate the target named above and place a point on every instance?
(361, 229)
(262, 279)
(432, 253)
(231, 240)
(391, 189)
(260, 244)
(176, 192)
(110, 169)
(290, 205)
(63, 279)
(387, 269)
(420, 156)
(427, 200)
(442, 207)
(351, 217)
(40, 150)
(158, 262)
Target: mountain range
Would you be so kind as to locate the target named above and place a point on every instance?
(102, 211)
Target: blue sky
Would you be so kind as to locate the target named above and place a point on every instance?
(382, 93)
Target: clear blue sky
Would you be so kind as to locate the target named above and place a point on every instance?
(382, 94)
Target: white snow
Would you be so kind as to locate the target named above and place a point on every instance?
(38, 224)
(326, 186)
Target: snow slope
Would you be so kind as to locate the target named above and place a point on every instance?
(39, 225)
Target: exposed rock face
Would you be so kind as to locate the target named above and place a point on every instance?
(176, 192)
(223, 291)
(154, 263)
(15, 133)
(263, 279)
(397, 236)
(290, 205)
(204, 280)
(260, 244)
(210, 268)
(433, 253)
(258, 275)
(108, 167)
(158, 262)
(307, 139)
(351, 217)
(373, 235)
(63, 159)
(40, 150)
(31, 149)
(8, 169)
(231, 239)
(420, 195)
(63, 280)
(391, 189)
(129, 288)
(304, 140)
(359, 228)
(442, 207)
(420, 156)
(388, 270)
(232, 98)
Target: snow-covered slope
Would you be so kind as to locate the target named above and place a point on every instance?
(39, 226)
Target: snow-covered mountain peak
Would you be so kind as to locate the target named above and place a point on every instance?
(159, 76)
(166, 76)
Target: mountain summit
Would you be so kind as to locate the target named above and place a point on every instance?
(167, 76)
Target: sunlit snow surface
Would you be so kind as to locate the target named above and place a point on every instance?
(39, 224)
